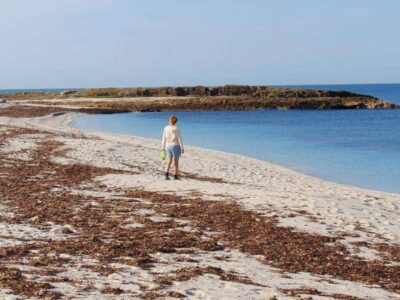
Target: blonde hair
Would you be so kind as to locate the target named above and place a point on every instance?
(173, 120)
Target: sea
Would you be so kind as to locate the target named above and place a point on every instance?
(353, 147)
(12, 91)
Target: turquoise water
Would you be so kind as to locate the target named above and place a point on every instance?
(355, 147)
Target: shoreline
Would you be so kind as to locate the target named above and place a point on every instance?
(67, 121)
(276, 163)
(210, 212)
(65, 124)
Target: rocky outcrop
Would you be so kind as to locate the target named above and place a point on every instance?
(249, 103)
(202, 91)
(228, 97)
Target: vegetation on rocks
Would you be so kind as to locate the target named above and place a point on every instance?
(228, 97)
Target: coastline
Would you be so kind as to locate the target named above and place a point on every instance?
(360, 219)
(198, 98)
(314, 156)
(67, 122)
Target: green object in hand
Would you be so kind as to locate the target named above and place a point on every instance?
(163, 155)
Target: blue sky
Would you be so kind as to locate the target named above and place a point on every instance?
(94, 43)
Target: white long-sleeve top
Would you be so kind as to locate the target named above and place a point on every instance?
(171, 136)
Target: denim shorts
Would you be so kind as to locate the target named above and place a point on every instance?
(174, 151)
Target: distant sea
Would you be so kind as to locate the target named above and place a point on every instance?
(354, 147)
(11, 91)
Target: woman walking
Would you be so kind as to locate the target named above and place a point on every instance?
(173, 145)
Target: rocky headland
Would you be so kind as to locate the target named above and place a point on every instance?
(228, 97)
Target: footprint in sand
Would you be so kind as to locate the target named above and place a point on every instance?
(350, 227)
(195, 292)
(390, 207)
(389, 236)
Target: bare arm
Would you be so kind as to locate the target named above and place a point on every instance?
(164, 141)
(180, 140)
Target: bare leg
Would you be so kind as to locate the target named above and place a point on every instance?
(168, 165)
(176, 166)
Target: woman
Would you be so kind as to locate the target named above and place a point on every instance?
(173, 145)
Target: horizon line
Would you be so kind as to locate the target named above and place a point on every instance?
(160, 86)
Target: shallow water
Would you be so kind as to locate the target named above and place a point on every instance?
(356, 147)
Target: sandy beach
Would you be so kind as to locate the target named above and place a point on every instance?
(89, 215)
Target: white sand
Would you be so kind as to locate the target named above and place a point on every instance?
(259, 186)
